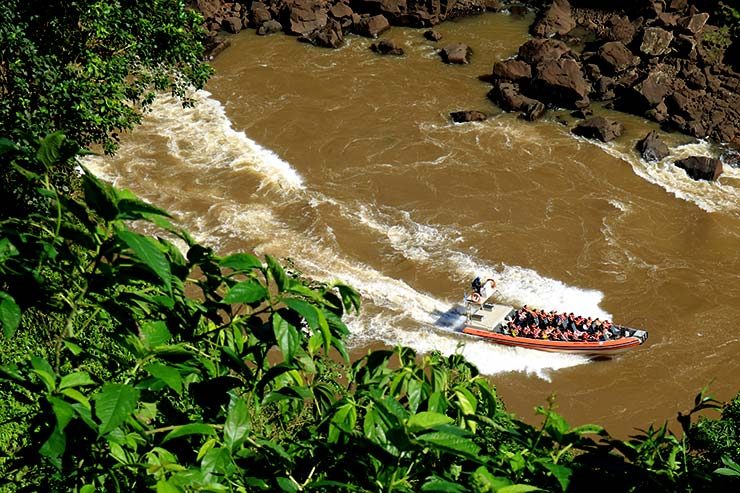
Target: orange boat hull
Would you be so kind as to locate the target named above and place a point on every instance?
(596, 348)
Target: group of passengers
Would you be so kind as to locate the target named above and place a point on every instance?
(539, 324)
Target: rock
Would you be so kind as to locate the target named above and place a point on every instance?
(216, 45)
(556, 19)
(685, 46)
(652, 148)
(374, 26)
(653, 88)
(232, 25)
(456, 53)
(600, 128)
(514, 70)
(432, 35)
(701, 167)
(507, 95)
(209, 8)
(561, 82)
(259, 14)
(468, 116)
(269, 27)
(615, 57)
(535, 51)
(518, 10)
(694, 23)
(655, 41)
(328, 36)
(341, 11)
(305, 16)
(677, 5)
(582, 114)
(387, 47)
(620, 29)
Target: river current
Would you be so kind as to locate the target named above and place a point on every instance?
(347, 163)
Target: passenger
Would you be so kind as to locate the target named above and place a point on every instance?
(476, 285)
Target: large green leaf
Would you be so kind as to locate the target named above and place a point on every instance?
(190, 429)
(450, 442)
(6, 145)
(439, 485)
(114, 404)
(10, 314)
(237, 425)
(427, 420)
(241, 262)
(148, 251)
(277, 272)
(155, 333)
(76, 379)
(561, 473)
(313, 316)
(49, 149)
(286, 336)
(246, 292)
(169, 375)
(100, 197)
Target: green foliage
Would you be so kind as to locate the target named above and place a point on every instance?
(182, 371)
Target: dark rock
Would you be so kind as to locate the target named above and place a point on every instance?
(677, 5)
(328, 36)
(615, 57)
(232, 25)
(700, 167)
(561, 82)
(620, 29)
(209, 8)
(653, 88)
(694, 23)
(518, 10)
(535, 51)
(685, 46)
(583, 113)
(514, 70)
(432, 35)
(600, 128)
(507, 95)
(387, 47)
(468, 116)
(216, 45)
(556, 19)
(655, 41)
(374, 26)
(668, 19)
(305, 16)
(652, 148)
(456, 53)
(269, 27)
(604, 88)
(341, 11)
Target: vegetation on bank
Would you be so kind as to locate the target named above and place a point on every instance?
(146, 361)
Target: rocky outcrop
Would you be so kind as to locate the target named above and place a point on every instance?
(468, 116)
(652, 148)
(700, 167)
(432, 35)
(600, 128)
(508, 96)
(513, 70)
(372, 27)
(561, 82)
(387, 47)
(456, 53)
(555, 19)
(328, 36)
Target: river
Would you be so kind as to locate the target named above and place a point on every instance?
(346, 163)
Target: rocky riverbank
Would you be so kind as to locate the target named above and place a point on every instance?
(664, 60)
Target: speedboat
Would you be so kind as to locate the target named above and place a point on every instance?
(491, 321)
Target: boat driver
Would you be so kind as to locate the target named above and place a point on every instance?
(476, 285)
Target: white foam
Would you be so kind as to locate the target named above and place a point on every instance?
(202, 136)
(718, 196)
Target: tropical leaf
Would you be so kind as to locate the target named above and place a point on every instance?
(246, 292)
(241, 262)
(427, 420)
(286, 336)
(453, 443)
(10, 314)
(277, 272)
(76, 379)
(148, 251)
(113, 405)
(189, 429)
(169, 375)
(49, 150)
(237, 425)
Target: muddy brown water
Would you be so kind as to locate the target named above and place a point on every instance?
(346, 162)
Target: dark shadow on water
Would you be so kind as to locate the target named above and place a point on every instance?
(452, 319)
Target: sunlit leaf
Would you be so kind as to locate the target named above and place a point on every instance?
(114, 404)
(148, 251)
(277, 272)
(10, 314)
(241, 262)
(76, 379)
(286, 336)
(246, 292)
(427, 420)
(167, 374)
(237, 424)
(189, 429)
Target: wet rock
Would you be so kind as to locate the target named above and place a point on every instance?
(232, 25)
(701, 167)
(507, 95)
(694, 23)
(518, 10)
(374, 26)
(535, 51)
(652, 147)
(582, 113)
(514, 70)
(432, 35)
(556, 19)
(269, 27)
(456, 53)
(328, 36)
(614, 57)
(655, 41)
(468, 116)
(600, 128)
(561, 82)
(387, 47)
